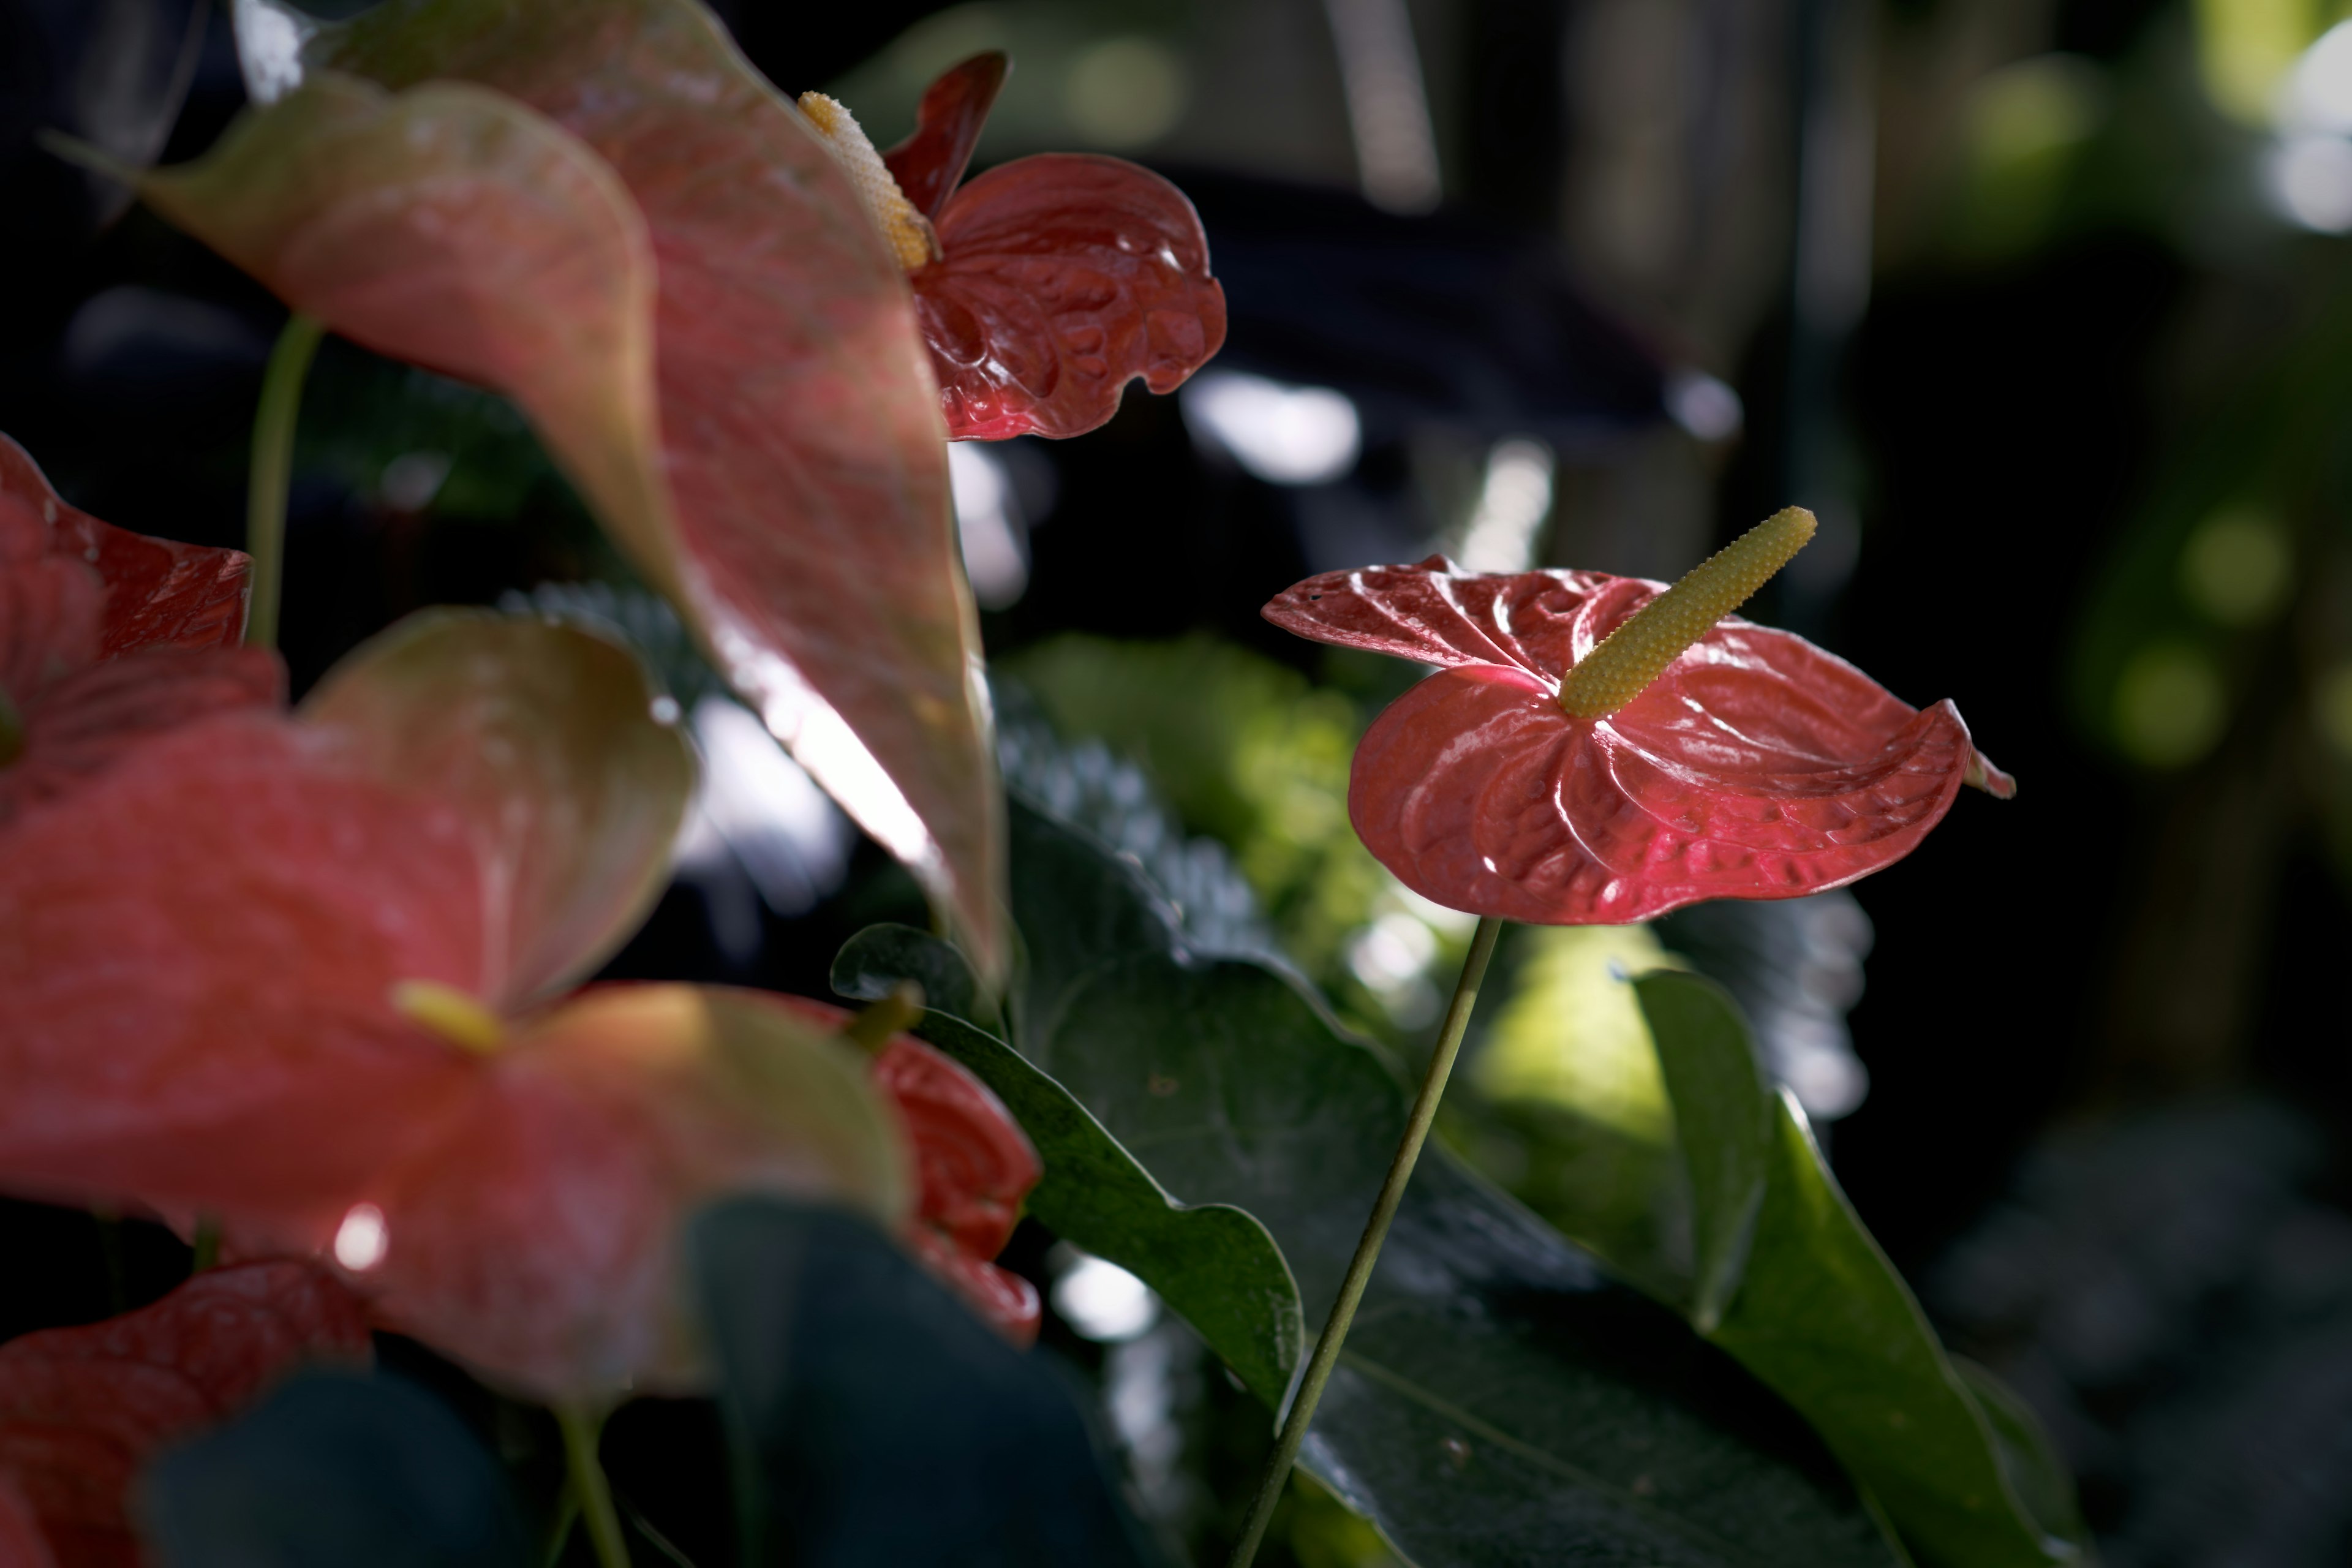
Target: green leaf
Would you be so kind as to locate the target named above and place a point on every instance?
(1819, 1314)
(876, 1421)
(359, 1471)
(1723, 1117)
(598, 208)
(1500, 1400)
(1214, 1264)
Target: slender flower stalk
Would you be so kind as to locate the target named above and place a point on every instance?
(273, 465)
(1368, 1249)
(580, 1431)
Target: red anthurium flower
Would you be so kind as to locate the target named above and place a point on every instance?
(306, 974)
(1712, 758)
(975, 1167)
(82, 1409)
(1046, 284)
(106, 635)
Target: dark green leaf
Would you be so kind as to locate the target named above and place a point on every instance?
(1723, 1121)
(335, 1470)
(1821, 1315)
(876, 1420)
(1214, 1264)
(1500, 1401)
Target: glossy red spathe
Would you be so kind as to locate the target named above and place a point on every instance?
(1062, 277)
(108, 636)
(974, 1168)
(82, 1409)
(1757, 766)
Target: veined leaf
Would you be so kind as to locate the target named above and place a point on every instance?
(1819, 1314)
(1214, 1264)
(1500, 1400)
(598, 207)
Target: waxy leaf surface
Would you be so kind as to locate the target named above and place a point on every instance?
(930, 163)
(681, 290)
(875, 1421)
(1500, 1399)
(1757, 766)
(1816, 1310)
(210, 954)
(82, 1409)
(1213, 1264)
(106, 637)
(359, 1472)
(1062, 277)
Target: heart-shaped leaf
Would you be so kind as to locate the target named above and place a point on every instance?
(876, 1421)
(1818, 1312)
(661, 262)
(1214, 1265)
(363, 1472)
(1500, 1399)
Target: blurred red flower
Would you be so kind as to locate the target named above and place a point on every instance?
(82, 1409)
(1757, 766)
(1059, 277)
(106, 635)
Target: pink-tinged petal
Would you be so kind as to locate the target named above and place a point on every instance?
(534, 1234)
(976, 1169)
(1528, 620)
(1757, 766)
(928, 163)
(80, 1410)
(1064, 277)
(157, 593)
(81, 724)
(199, 949)
(545, 738)
(805, 526)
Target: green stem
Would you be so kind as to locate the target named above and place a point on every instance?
(273, 466)
(580, 1431)
(1368, 1249)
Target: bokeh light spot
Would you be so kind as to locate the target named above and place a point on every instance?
(2169, 706)
(1126, 93)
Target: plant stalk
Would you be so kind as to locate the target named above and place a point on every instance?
(1368, 1249)
(272, 470)
(580, 1431)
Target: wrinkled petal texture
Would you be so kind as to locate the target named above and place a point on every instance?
(975, 1167)
(948, 124)
(107, 637)
(82, 1409)
(534, 1232)
(1064, 277)
(1757, 766)
(804, 522)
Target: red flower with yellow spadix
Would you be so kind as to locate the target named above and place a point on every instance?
(106, 637)
(1599, 749)
(313, 975)
(1046, 285)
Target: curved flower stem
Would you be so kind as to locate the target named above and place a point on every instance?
(580, 1430)
(1368, 1249)
(273, 463)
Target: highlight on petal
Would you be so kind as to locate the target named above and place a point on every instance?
(1066, 276)
(107, 637)
(545, 737)
(783, 476)
(1757, 766)
(976, 1168)
(533, 1233)
(930, 161)
(82, 1409)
